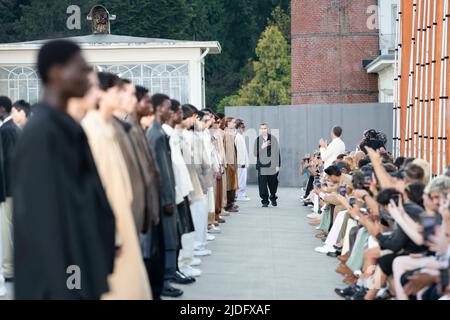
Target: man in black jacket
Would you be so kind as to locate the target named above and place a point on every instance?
(63, 223)
(268, 163)
(159, 142)
(9, 134)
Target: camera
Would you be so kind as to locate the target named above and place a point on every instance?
(373, 139)
(352, 201)
(342, 191)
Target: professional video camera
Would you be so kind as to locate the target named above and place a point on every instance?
(373, 139)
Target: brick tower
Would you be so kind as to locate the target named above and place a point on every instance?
(331, 41)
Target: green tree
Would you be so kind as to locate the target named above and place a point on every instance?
(272, 82)
(10, 14)
(45, 19)
(281, 19)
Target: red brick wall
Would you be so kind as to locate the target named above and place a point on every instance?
(330, 40)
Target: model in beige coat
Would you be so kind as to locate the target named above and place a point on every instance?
(129, 279)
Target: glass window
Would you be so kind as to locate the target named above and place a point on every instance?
(170, 79)
(19, 83)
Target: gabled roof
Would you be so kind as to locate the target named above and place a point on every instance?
(109, 41)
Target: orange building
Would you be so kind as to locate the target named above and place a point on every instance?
(421, 108)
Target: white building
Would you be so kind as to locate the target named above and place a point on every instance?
(384, 64)
(173, 67)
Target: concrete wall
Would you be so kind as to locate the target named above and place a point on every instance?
(301, 127)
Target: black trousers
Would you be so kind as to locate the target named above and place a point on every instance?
(231, 199)
(156, 265)
(270, 182)
(309, 186)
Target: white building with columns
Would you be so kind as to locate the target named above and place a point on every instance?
(173, 67)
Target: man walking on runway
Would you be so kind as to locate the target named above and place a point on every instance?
(268, 162)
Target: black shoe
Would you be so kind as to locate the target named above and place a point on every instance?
(307, 203)
(334, 254)
(274, 203)
(265, 205)
(347, 292)
(359, 295)
(171, 292)
(180, 278)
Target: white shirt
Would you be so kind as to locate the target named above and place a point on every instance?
(334, 149)
(183, 183)
(6, 120)
(241, 149)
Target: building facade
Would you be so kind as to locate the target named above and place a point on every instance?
(383, 65)
(172, 67)
(332, 42)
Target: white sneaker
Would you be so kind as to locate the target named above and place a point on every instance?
(325, 249)
(202, 253)
(191, 272)
(225, 214)
(310, 206)
(214, 230)
(313, 216)
(210, 237)
(244, 199)
(3, 291)
(317, 228)
(196, 262)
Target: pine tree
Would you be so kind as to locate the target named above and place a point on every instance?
(282, 20)
(272, 82)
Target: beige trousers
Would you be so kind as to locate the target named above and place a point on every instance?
(7, 237)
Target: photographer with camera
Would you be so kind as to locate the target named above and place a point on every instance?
(373, 139)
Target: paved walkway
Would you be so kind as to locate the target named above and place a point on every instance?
(266, 253)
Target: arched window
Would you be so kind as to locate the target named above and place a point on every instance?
(171, 79)
(19, 83)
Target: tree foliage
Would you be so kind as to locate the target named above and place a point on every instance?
(272, 81)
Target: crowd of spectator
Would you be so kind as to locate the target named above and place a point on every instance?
(385, 220)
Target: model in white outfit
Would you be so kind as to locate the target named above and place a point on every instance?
(243, 163)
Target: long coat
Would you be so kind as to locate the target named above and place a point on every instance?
(134, 170)
(61, 214)
(159, 143)
(129, 280)
(150, 173)
(187, 149)
(231, 159)
(9, 133)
